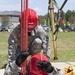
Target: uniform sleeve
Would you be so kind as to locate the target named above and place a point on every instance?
(45, 40)
(12, 45)
(11, 69)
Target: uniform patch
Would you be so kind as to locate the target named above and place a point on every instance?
(12, 41)
(13, 34)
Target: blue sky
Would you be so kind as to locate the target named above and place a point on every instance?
(39, 5)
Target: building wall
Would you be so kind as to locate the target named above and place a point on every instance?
(13, 21)
(0, 21)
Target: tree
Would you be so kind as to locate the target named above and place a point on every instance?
(5, 19)
(42, 20)
(68, 15)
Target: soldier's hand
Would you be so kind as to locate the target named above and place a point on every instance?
(21, 57)
(45, 66)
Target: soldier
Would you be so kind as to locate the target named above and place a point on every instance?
(39, 65)
(37, 41)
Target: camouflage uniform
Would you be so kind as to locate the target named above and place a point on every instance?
(37, 40)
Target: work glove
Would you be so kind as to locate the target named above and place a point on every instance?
(22, 57)
(45, 66)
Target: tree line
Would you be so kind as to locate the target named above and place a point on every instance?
(68, 17)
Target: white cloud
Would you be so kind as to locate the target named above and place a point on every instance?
(40, 6)
(38, 10)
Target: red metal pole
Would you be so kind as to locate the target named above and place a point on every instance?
(24, 31)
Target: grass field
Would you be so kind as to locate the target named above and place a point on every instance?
(65, 47)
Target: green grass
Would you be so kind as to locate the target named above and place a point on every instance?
(3, 48)
(65, 47)
(64, 55)
(3, 60)
(3, 42)
(66, 35)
